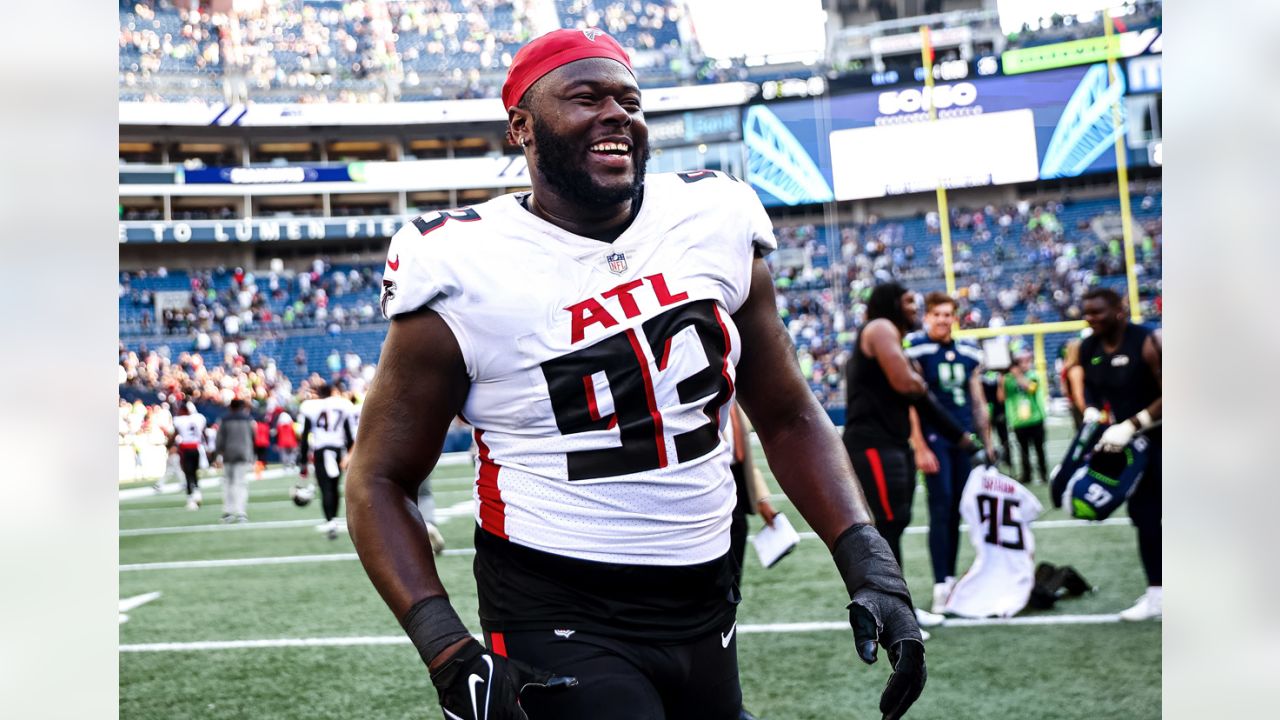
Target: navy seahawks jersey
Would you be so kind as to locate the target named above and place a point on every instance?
(947, 368)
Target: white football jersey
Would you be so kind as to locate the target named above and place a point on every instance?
(353, 416)
(999, 511)
(190, 430)
(600, 372)
(329, 417)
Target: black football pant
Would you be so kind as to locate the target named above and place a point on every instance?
(325, 459)
(1031, 436)
(888, 479)
(189, 460)
(629, 679)
(1145, 511)
(738, 540)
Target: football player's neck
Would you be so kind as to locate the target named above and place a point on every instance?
(604, 223)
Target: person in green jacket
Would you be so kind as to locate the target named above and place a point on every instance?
(1022, 395)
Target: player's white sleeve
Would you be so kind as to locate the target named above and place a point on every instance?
(417, 275)
(413, 276)
(758, 222)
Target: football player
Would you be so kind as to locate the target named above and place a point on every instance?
(188, 431)
(326, 428)
(1122, 378)
(593, 332)
(953, 371)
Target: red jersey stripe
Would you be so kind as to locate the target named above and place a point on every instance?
(659, 437)
(493, 512)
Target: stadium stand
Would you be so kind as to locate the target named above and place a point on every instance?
(417, 50)
(1024, 263)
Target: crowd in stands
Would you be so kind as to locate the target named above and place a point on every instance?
(1025, 263)
(353, 51)
(229, 306)
(335, 51)
(1056, 28)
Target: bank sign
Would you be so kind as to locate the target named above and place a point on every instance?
(264, 230)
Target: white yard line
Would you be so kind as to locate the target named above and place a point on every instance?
(446, 460)
(291, 559)
(251, 562)
(466, 508)
(770, 628)
(128, 604)
(443, 515)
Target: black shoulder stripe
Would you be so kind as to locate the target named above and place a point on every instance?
(465, 214)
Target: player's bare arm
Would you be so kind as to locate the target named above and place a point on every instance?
(978, 399)
(882, 341)
(926, 461)
(803, 448)
(421, 385)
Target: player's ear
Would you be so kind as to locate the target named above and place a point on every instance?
(519, 125)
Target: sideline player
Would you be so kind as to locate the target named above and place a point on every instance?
(287, 440)
(593, 332)
(953, 370)
(326, 417)
(1122, 378)
(882, 389)
(188, 430)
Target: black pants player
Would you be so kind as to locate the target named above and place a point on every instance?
(189, 461)
(1122, 378)
(328, 461)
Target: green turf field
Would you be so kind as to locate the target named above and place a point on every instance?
(191, 652)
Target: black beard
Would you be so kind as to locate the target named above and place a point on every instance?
(559, 165)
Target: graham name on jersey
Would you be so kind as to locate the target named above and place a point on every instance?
(998, 484)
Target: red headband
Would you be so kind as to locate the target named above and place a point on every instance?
(556, 48)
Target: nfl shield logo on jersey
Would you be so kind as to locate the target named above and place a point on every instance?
(617, 263)
(592, 33)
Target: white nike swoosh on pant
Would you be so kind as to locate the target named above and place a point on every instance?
(725, 639)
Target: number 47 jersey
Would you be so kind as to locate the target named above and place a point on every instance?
(999, 512)
(600, 372)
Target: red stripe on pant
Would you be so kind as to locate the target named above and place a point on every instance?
(493, 512)
(877, 472)
(498, 644)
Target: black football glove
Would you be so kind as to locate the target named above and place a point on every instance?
(881, 613)
(476, 684)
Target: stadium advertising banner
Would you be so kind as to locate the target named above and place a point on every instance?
(265, 230)
(265, 175)
(691, 128)
(507, 171)
(990, 130)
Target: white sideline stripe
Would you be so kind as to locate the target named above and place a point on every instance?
(1037, 525)
(128, 604)
(289, 559)
(247, 562)
(454, 458)
(771, 628)
(219, 528)
(205, 483)
(443, 515)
